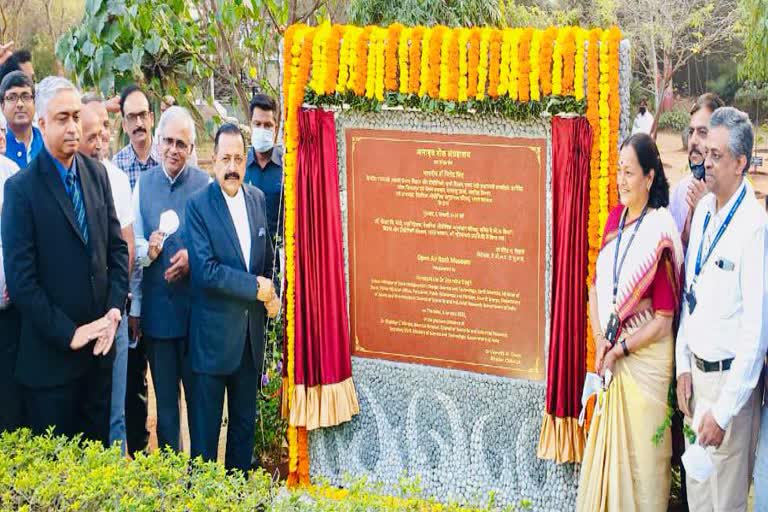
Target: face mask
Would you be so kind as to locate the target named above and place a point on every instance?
(697, 170)
(262, 139)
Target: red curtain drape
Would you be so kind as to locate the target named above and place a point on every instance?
(324, 394)
(561, 437)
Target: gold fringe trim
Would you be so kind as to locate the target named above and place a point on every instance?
(320, 406)
(561, 440)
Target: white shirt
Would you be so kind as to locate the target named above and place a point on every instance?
(121, 194)
(7, 169)
(643, 123)
(727, 321)
(239, 214)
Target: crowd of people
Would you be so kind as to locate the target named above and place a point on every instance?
(680, 296)
(112, 266)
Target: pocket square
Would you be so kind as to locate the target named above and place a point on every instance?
(262, 232)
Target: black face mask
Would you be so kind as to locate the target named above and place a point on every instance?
(642, 110)
(697, 170)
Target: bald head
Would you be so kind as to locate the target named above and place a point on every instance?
(92, 119)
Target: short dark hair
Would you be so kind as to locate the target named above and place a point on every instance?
(127, 92)
(22, 56)
(228, 128)
(9, 66)
(15, 79)
(649, 158)
(709, 101)
(263, 102)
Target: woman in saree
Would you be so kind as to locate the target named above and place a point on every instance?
(633, 304)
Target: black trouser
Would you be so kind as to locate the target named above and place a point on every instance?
(137, 435)
(11, 409)
(206, 406)
(169, 368)
(79, 406)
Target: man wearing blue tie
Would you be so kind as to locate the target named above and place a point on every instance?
(231, 262)
(67, 272)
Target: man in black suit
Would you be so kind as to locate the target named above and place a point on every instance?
(67, 273)
(230, 261)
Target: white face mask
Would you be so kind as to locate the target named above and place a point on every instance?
(262, 139)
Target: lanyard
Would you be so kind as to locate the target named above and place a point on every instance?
(618, 265)
(699, 263)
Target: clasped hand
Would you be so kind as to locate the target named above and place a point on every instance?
(102, 331)
(268, 296)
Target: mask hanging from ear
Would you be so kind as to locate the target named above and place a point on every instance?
(697, 170)
(262, 139)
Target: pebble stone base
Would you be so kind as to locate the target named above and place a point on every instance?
(465, 436)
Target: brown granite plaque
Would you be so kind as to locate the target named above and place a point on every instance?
(447, 248)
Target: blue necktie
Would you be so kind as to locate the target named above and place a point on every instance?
(77, 204)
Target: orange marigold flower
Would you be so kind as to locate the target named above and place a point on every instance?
(453, 65)
(332, 58)
(569, 59)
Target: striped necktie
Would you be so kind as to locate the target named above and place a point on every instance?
(77, 203)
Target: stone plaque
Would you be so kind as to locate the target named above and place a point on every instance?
(447, 243)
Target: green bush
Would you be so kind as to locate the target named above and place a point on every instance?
(51, 473)
(674, 120)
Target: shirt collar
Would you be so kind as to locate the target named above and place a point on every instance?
(168, 176)
(731, 201)
(18, 142)
(135, 157)
(231, 200)
(63, 171)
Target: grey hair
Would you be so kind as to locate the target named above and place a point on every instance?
(741, 136)
(47, 89)
(91, 97)
(175, 112)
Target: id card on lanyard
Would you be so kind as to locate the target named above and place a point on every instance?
(690, 294)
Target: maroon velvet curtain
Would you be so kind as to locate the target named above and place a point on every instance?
(571, 145)
(322, 355)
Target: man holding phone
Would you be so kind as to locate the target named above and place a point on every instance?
(687, 194)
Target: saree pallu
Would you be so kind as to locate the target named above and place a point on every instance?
(623, 470)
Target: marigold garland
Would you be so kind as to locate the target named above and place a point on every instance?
(535, 66)
(514, 64)
(473, 61)
(332, 47)
(414, 60)
(494, 64)
(378, 87)
(453, 65)
(402, 53)
(545, 60)
(557, 64)
(391, 56)
(506, 61)
(464, 36)
(569, 59)
(594, 234)
(425, 53)
(435, 50)
(482, 65)
(578, 75)
(524, 53)
(360, 74)
(445, 64)
(614, 104)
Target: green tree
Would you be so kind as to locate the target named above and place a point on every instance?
(754, 62)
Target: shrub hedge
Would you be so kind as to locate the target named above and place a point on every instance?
(51, 473)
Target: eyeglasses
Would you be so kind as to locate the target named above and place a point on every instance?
(180, 144)
(133, 117)
(15, 97)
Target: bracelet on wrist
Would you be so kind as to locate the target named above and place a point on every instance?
(624, 348)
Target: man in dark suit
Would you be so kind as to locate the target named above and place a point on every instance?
(67, 273)
(231, 260)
